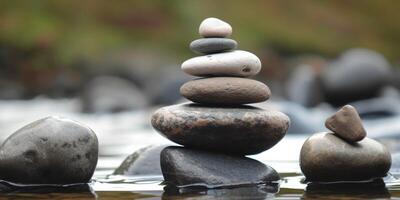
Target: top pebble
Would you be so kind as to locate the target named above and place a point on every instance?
(213, 27)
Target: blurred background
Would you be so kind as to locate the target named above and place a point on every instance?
(105, 62)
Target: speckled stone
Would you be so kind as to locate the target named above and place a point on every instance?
(225, 91)
(241, 130)
(213, 27)
(347, 124)
(183, 167)
(325, 157)
(234, 63)
(52, 150)
(212, 45)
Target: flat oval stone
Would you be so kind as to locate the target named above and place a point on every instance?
(52, 150)
(234, 63)
(325, 157)
(183, 167)
(225, 91)
(212, 45)
(213, 27)
(241, 130)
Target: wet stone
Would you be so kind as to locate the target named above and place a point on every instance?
(52, 150)
(241, 130)
(183, 167)
(325, 157)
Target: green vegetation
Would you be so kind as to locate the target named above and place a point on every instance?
(73, 30)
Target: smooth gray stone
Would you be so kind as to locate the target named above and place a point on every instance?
(212, 45)
(183, 167)
(241, 130)
(325, 157)
(52, 150)
(143, 162)
(358, 74)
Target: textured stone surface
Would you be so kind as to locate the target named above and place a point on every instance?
(143, 162)
(186, 167)
(236, 130)
(213, 27)
(346, 123)
(233, 63)
(325, 157)
(225, 91)
(52, 150)
(212, 45)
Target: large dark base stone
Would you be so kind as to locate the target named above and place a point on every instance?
(182, 167)
(241, 130)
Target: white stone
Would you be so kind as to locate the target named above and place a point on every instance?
(213, 27)
(234, 63)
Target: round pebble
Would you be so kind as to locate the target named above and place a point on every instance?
(225, 91)
(212, 45)
(213, 27)
(234, 63)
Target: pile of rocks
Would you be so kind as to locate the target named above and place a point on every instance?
(346, 154)
(52, 151)
(218, 130)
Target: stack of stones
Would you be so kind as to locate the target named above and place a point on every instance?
(218, 130)
(346, 154)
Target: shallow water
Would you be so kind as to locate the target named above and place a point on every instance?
(122, 133)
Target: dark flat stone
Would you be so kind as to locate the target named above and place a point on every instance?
(241, 130)
(182, 167)
(212, 45)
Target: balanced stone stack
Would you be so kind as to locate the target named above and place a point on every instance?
(218, 128)
(346, 154)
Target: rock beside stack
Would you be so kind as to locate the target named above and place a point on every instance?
(346, 154)
(52, 150)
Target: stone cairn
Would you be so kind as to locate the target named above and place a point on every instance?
(218, 130)
(346, 154)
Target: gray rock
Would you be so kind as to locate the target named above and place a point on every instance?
(52, 150)
(347, 124)
(234, 63)
(213, 27)
(143, 162)
(225, 91)
(212, 45)
(325, 157)
(184, 167)
(358, 74)
(240, 130)
(112, 94)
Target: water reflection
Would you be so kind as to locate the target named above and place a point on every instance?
(248, 192)
(368, 190)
